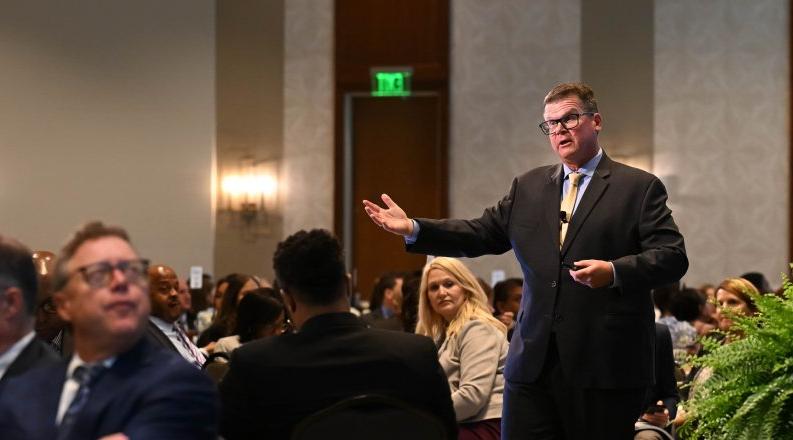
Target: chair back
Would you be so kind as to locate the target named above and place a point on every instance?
(216, 366)
(370, 416)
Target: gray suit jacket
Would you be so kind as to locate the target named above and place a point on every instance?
(473, 361)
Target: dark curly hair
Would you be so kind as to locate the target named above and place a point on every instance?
(257, 310)
(310, 265)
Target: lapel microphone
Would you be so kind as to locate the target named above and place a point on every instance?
(563, 216)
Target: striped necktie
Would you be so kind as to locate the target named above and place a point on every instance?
(86, 376)
(568, 204)
(198, 358)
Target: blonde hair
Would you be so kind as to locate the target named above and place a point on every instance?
(475, 306)
(743, 289)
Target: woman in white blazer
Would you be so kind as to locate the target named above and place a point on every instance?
(472, 344)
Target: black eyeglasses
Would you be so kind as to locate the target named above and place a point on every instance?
(100, 274)
(567, 121)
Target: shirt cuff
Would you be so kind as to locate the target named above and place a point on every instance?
(410, 239)
(616, 282)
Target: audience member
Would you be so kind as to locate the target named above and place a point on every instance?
(259, 315)
(116, 383)
(186, 319)
(50, 327)
(707, 322)
(273, 383)
(506, 302)
(734, 297)
(734, 294)
(201, 297)
(759, 281)
(386, 303)
(473, 345)
(410, 301)
(223, 325)
(20, 350)
(488, 293)
(685, 305)
(663, 397)
(166, 307)
(207, 316)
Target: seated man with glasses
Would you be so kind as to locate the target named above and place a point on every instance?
(116, 383)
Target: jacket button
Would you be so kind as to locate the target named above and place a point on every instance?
(553, 283)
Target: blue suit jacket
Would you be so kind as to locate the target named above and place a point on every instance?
(148, 393)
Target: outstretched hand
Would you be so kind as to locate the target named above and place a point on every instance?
(393, 219)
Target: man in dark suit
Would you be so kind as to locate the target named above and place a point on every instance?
(274, 383)
(20, 350)
(386, 303)
(592, 236)
(116, 383)
(163, 329)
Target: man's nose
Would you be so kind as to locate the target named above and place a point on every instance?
(119, 281)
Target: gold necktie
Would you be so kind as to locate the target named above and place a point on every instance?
(567, 205)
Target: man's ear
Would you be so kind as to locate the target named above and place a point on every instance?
(289, 300)
(62, 304)
(598, 120)
(12, 303)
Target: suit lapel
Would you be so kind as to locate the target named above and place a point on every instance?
(597, 186)
(105, 409)
(552, 199)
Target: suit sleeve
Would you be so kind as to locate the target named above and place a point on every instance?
(479, 350)
(662, 255)
(183, 404)
(487, 234)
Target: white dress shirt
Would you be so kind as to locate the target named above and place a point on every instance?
(71, 386)
(191, 352)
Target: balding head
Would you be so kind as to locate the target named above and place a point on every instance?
(164, 293)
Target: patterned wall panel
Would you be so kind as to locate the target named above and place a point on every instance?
(307, 170)
(505, 56)
(721, 132)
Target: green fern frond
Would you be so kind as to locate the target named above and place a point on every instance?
(750, 392)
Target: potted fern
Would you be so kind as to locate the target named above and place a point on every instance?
(749, 393)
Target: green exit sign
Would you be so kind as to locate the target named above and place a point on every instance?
(391, 82)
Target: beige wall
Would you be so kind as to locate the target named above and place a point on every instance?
(107, 112)
(308, 176)
(504, 57)
(722, 133)
(250, 90)
(695, 92)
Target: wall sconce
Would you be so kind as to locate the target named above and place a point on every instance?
(249, 195)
